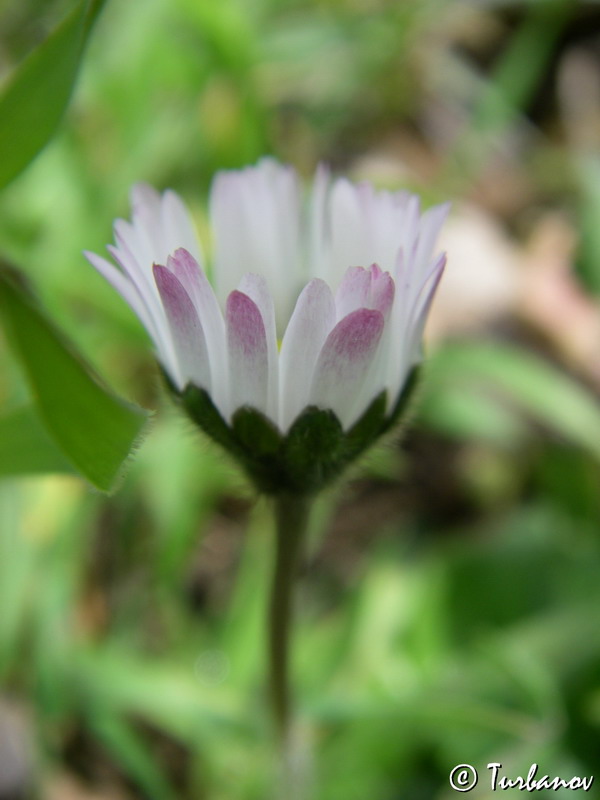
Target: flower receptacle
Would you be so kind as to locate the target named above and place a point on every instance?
(312, 454)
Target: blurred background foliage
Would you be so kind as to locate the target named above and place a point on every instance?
(450, 602)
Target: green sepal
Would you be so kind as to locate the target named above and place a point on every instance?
(313, 453)
(260, 446)
(201, 409)
(368, 428)
(255, 432)
(404, 398)
(313, 450)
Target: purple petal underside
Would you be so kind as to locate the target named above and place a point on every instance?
(344, 361)
(248, 353)
(186, 329)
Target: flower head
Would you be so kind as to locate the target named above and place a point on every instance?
(343, 282)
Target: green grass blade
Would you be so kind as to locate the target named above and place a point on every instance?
(537, 389)
(132, 754)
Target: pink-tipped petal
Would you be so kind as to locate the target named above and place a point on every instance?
(186, 329)
(255, 286)
(196, 284)
(343, 363)
(310, 324)
(382, 291)
(364, 288)
(353, 292)
(248, 353)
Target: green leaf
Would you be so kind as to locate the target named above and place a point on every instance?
(465, 411)
(536, 388)
(166, 695)
(38, 92)
(17, 568)
(94, 429)
(26, 448)
(132, 753)
(588, 250)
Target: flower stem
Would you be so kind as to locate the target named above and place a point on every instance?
(291, 518)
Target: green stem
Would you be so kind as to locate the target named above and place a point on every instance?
(291, 518)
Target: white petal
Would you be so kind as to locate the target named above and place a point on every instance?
(152, 319)
(255, 217)
(140, 274)
(429, 229)
(421, 308)
(136, 258)
(318, 224)
(407, 331)
(127, 288)
(349, 243)
(147, 225)
(180, 231)
(309, 326)
(160, 224)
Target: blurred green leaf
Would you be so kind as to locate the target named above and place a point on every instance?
(466, 412)
(523, 63)
(26, 448)
(17, 556)
(164, 694)
(517, 73)
(37, 94)
(537, 389)
(588, 257)
(93, 428)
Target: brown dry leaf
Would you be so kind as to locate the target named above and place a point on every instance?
(483, 278)
(65, 787)
(552, 299)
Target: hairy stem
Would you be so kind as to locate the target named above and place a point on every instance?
(291, 518)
